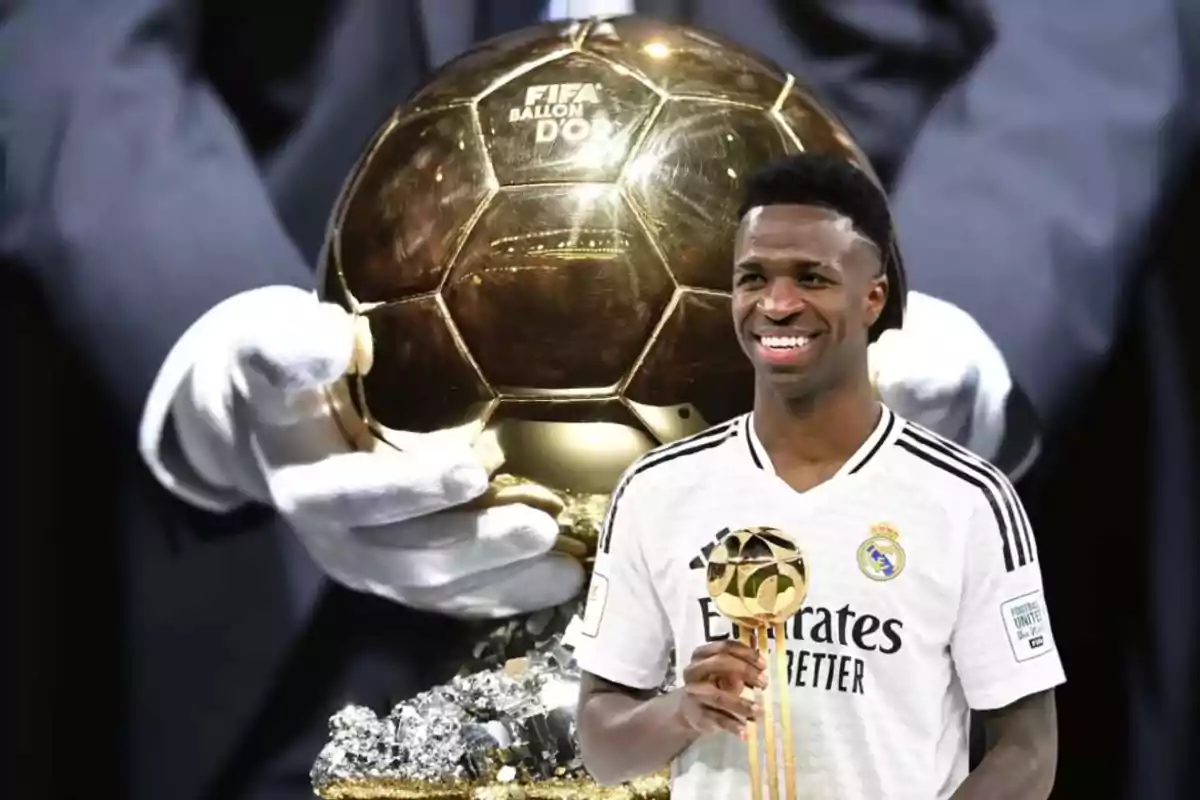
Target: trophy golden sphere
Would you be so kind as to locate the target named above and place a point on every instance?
(757, 577)
(540, 243)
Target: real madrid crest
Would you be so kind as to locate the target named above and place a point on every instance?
(881, 557)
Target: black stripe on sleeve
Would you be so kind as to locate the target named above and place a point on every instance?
(713, 437)
(962, 471)
(1018, 522)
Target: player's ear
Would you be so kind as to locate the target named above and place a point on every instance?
(875, 298)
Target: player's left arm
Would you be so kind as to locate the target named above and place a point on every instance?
(1022, 751)
(1003, 649)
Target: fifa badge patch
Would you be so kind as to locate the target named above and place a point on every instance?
(881, 557)
(1027, 626)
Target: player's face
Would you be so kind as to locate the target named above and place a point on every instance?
(806, 289)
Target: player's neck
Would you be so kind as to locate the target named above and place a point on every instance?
(809, 440)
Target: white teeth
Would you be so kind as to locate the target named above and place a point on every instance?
(784, 342)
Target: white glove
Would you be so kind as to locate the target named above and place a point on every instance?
(244, 389)
(943, 371)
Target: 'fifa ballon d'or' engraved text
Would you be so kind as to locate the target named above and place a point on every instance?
(562, 111)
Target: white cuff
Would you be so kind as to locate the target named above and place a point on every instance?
(986, 432)
(216, 329)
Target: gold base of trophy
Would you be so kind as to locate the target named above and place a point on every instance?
(758, 578)
(758, 741)
(653, 787)
(580, 515)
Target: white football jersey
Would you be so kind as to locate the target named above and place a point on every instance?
(924, 601)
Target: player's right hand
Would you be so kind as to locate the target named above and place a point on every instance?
(245, 391)
(718, 687)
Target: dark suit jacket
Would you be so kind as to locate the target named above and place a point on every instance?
(1047, 194)
(163, 155)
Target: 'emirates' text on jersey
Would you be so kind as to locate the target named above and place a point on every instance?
(924, 600)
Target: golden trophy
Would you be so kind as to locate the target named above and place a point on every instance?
(758, 578)
(537, 246)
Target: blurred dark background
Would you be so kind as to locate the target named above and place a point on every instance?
(1113, 498)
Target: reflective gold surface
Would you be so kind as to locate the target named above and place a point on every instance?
(758, 578)
(557, 289)
(541, 242)
(538, 245)
(652, 787)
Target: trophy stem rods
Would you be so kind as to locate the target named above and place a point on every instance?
(785, 714)
(769, 715)
(749, 637)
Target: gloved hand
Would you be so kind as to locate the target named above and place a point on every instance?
(244, 389)
(943, 371)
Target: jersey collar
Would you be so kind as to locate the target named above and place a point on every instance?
(887, 425)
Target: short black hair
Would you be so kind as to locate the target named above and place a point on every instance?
(833, 182)
(816, 179)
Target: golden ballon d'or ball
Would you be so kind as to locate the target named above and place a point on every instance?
(757, 577)
(539, 246)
